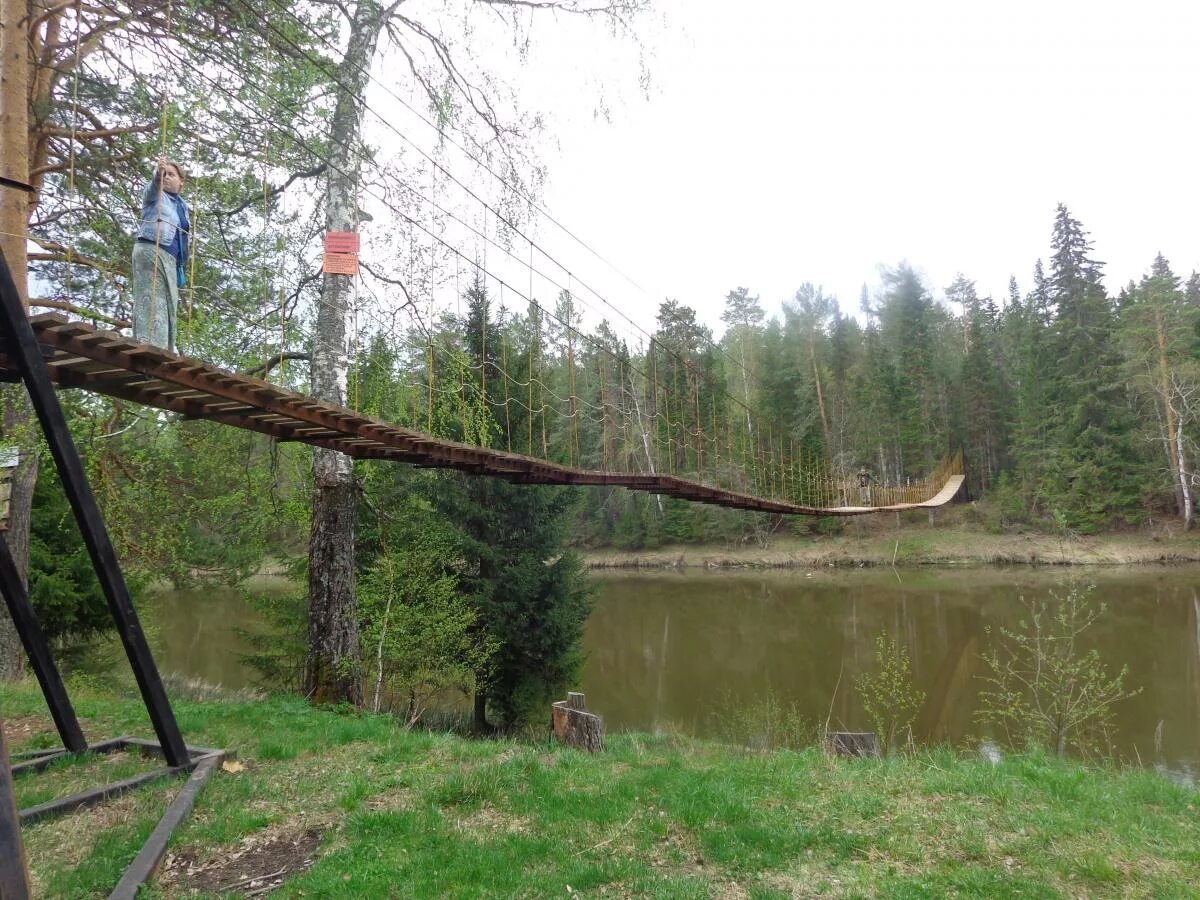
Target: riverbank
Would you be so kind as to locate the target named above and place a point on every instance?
(342, 804)
(915, 545)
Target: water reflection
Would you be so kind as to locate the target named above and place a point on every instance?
(199, 632)
(666, 650)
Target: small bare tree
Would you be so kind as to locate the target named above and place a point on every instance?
(889, 696)
(1043, 689)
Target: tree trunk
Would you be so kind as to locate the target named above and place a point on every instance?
(812, 355)
(481, 724)
(645, 437)
(334, 670)
(334, 666)
(1185, 486)
(20, 428)
(14, 875)
(1165, 390)
(20, 425)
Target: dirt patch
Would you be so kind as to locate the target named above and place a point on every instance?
(488, 819)
(18, 731)
(395, 800)
(913, 546)
(258, 866)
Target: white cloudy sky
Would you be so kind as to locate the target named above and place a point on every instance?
(786, 142)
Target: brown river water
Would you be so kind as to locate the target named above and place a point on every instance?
(667, 651)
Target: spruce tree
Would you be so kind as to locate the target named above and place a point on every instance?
(1094, 476)
(529, 594)
(908, 327)
(981, 388)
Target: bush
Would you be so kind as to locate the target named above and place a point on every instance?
(890, 698)
(766, 723)
(1043, 690)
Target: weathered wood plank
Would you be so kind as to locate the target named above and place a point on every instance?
(14, 877)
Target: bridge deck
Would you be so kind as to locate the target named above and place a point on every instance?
(81, 356)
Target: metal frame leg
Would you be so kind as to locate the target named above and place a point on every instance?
(38, 650)
(24, 350)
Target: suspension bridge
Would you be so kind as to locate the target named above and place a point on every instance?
(79, 355)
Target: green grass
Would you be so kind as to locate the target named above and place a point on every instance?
(432, 815)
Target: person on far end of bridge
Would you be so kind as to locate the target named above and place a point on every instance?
(160, 250)
(864, 485)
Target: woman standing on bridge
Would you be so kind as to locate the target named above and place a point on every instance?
(160, 251)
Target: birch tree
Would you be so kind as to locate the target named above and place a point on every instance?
(460, 93)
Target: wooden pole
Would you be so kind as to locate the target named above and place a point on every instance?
(15, 191)
(16, 195)
(14, 877)
(38, 651)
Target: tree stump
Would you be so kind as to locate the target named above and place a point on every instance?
(574, 726)
(853, 743)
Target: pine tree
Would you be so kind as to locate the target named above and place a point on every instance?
(808, 315)
(981, 388)
(1026, 335)
(529, 594)
(908, 328)
(1094, 476)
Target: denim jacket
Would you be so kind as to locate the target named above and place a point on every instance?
(164, 215)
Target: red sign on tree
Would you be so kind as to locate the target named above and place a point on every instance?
(341, 242)
(341, 253)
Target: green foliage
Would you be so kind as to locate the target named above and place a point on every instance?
(1043, 689)
(63, 587)
(630, 531)
(280, 648)
(1006, 506)
(1095, 474)
(889, 696)
(765, 723)
(419, 633)
(530, 594)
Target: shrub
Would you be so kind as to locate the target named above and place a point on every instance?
(765, 723)
(889, 696)
(1043, 689)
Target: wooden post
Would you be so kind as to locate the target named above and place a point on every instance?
(15, 191)
(14, 877)
(574, 726)
(16, 195)
(38, 651)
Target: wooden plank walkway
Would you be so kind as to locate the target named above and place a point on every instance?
(81, 356)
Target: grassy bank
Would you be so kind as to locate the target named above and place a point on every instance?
(953, 539)
(339, 804)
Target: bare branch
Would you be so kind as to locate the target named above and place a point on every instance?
(485, 112)
(271, 362)
(61, 253)
(45, 302)
(397, 282)
(98, 134)
(271, 192)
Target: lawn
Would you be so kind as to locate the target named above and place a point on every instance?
(336, 803)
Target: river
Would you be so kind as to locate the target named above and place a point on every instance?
(668, 651)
